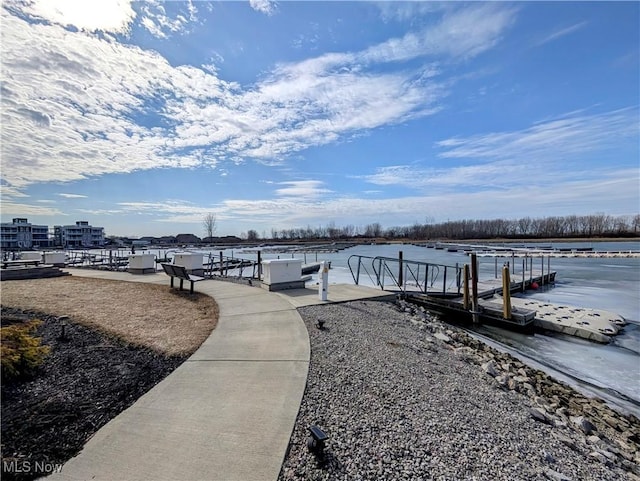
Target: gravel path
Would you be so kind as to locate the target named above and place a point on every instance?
(403, 396)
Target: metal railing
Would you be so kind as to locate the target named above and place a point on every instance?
(221, 265)
(407, 275)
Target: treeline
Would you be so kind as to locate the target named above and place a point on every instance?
(573, 226)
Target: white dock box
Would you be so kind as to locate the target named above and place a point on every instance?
(191, 261)
(282, 274)
(55, 258)
(31, 256)
(141, 263)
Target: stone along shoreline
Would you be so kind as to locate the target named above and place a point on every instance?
(404, 396)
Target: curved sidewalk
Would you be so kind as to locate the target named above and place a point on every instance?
(226, 413)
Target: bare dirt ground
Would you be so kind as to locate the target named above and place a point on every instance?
(121, 339)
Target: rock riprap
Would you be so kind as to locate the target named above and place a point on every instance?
(403, 396)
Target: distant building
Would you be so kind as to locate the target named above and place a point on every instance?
(166, 240)
(79, 235)
(187, 239)
(20, 234)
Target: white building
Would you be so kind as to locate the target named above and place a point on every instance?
(20, 234)
(79, 235)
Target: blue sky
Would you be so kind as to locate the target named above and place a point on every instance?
(143, 117)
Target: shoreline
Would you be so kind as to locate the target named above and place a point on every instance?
(478, 393)
(346, 240)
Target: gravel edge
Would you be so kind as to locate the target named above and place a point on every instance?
(404, 396)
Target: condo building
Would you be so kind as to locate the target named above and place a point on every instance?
(79, 235)
(21, 234)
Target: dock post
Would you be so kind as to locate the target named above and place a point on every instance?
(531, 271)
(259, 265)
(524, 264)
(444, 281)
(549, 269)
(542, 273)
(506, 293)
(495, 267)
(400, 273)
(474, 289)
(465, 283)
(220, 270)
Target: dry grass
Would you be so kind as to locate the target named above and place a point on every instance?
(155, 316)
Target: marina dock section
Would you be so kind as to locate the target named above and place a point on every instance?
(460, 291)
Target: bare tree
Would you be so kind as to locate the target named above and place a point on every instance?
(252, 235)
(209, 224)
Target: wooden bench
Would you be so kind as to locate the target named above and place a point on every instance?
(181, 273)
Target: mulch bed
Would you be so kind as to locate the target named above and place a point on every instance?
(86, 380)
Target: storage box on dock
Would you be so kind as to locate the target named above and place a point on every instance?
(280, 274)
(57, 259)
(191, 261)
(142, 263)
(31, 256)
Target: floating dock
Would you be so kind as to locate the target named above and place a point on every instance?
(488, 250)
(592, 324)
(458, 290)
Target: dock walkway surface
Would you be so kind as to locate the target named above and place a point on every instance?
(226, 413)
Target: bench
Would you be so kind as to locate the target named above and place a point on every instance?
(181, 273)
(20, 263)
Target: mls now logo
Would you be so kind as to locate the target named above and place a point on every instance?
(41, 467)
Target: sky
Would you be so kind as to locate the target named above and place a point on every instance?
(143, 117)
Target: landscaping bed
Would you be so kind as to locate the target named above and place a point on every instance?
(90, 373)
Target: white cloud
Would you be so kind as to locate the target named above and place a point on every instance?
(408, 11)
(89, 90)
(610, 192)
(268, 7)
(614, 191)
(502, 160)
(160, 24)
(302, 189)
(114, 16)
(13, 208)
(72, 103)
(552, 139)
(462, 33)
(72, 196)
(561, 33)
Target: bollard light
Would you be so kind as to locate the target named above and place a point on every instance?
(63, 324)
(320, 324)
(315, 442)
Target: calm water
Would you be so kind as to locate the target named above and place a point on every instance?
(609, 371)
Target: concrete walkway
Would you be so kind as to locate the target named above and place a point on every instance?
(227, 413)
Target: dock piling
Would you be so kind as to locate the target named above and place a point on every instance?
(465, 295)
(474, 289)
(506, 293)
